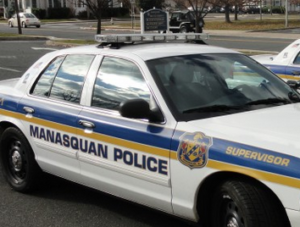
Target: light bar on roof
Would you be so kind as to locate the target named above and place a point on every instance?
(128, 38)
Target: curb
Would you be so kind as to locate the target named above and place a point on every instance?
(23, 38)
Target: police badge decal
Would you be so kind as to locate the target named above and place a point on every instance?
(193, 149)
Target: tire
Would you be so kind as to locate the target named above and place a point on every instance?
(17, 161)
(245, 204)
(38, 26)
(11, 25)
(24, 25)
(183, 29)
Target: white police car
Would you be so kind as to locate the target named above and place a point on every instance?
(192, 130)
(285, 64)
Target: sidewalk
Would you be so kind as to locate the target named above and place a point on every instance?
(265, 34)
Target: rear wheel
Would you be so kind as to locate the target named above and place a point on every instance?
(10, 24)
(17, 161)
(183, 29)
(244, 204)
(38, 26)
(24, 25)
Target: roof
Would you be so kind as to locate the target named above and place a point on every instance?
(148, 51)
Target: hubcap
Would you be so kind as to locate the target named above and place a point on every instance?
(232, 222)
(16, 160)
(231, 213)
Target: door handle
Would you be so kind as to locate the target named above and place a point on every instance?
(87, 124)
(28, 109)
(296, 73)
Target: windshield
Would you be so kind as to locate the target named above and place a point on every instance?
(207, 85)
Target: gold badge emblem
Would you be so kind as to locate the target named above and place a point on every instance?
(193, 149)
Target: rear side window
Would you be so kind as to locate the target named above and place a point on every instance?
(63, 79)
(69, 80)
(44, 83)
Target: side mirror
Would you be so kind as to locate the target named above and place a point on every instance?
(293, 84)
(140, 109)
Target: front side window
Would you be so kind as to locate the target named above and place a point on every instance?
(200, 86)
(118, 80)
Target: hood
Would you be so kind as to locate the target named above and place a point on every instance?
(276, 129)
(264, 58)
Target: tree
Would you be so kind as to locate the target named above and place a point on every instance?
(128, 5)
(197, 6)
(96, 7)
(149, 4)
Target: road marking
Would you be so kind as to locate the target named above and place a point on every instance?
(43, 48)
(9, 57)
(8, 69)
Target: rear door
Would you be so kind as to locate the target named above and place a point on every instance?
(50, 114)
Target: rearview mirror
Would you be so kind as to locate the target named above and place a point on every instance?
(293, 84)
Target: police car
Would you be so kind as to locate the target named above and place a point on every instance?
(286, 64)
(192, 130)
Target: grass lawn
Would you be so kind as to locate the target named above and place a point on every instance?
(264, 24)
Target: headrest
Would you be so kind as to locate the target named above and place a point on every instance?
(182, 73)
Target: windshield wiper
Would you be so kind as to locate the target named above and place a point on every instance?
(214, 108)
(269, 101)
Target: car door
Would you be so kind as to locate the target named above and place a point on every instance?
(125, 157)
(293, 69)
(50, 114)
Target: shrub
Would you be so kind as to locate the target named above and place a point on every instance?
(275, 9)
(40, 13)
(115, 12)
(60, 13)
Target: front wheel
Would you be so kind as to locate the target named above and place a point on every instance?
(245, 204)
(24, 25)
(17, 160)
(10, 24)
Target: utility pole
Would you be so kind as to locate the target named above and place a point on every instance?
(18, 17)
(286, 14)
(132, 2)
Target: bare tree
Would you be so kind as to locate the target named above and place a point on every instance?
(226, 4)
(199, 9)
(96, 7)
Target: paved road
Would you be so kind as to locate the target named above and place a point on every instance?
(59, 203)
(17, 56)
